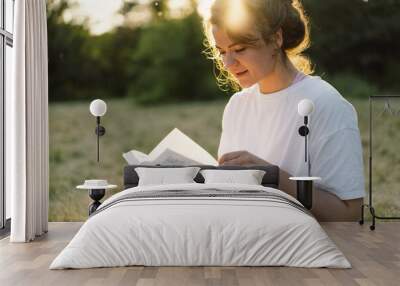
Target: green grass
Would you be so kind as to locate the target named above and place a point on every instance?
(73, 147)
(73, 144)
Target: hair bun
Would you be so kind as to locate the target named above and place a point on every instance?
(293, 29)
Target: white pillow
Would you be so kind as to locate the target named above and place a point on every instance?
(162, 176)
(248, 177)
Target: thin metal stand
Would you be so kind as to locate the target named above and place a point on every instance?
(100, 131)
(369, 205)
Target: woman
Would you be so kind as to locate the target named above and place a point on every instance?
(257, 44)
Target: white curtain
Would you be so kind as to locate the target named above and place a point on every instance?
(27, 155)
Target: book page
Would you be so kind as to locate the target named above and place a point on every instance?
(169, 157)
(180, 143)
(135, 157)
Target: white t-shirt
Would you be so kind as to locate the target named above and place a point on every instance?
(267, 126)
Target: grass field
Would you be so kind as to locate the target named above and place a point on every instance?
(73, 147)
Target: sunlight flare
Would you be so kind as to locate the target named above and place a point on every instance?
(236, 16)
(204, 8)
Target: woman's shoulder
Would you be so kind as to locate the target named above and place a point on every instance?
(320, 89)
(322, 93)
(329, 103)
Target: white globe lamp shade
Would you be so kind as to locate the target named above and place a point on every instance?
(98, 107)
(305, 107)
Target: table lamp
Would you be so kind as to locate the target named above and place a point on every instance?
(305, 184)
(98, 108)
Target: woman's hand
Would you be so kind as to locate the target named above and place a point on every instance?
(240, 158)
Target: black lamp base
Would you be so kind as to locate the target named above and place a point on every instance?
(304, 193)
(100, 130)
(96, 195)
(305, 190)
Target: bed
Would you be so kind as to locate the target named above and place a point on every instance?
(201, 224)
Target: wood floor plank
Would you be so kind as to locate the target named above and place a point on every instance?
(313, 282)
(131, 276)
(146, 282)
(212, 272)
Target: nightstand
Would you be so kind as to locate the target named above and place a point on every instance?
(97, 190)
(304, 190)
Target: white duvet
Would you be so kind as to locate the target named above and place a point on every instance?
(200, 231)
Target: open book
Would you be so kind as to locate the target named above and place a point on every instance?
(175, 149)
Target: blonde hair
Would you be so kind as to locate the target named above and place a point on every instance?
(269, 16)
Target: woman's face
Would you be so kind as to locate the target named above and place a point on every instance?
(249, 64)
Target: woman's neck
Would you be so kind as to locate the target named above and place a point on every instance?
(280, 78)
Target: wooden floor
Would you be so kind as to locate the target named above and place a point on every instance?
(375, 256)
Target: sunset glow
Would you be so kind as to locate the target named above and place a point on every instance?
(203, 8)
(102, 15)
(236, 15)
